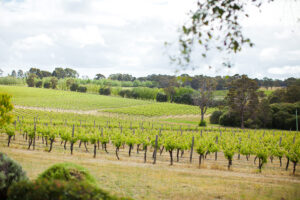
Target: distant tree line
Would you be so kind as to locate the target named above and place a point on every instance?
(246, 106)
(154, 80)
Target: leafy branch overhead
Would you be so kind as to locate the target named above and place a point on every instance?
(214, 25)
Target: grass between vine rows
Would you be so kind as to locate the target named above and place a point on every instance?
(130, 177)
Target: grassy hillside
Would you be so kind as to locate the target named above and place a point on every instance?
(58, 99)
(48, 98)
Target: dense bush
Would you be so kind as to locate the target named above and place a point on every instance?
(67, 172)
(47, 85)
(229, 119)
(184, 99)
(215, 117)
(57, 189)
(39, 84)
(284, 115)
(104, 91)
(81, 89)
(160, 97)
(10, 172)
(54, 82)
(74, 87)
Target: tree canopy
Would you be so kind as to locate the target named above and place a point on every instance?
(214, 24)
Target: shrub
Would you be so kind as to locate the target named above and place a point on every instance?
(229, 119)
(67, 172)
(39, 84)
(54, 82)
(57, 189)
(74, 87)
(160, 97)
(30, 80)
(81, 89)
(47, 85)
(184, 99)
(202, 123)
(215, 117)
(105, 91)
(10, 172)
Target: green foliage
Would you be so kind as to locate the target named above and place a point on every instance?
(54, 82)
(47, 85)
(67, 172)
(105, 91)
(82, 89)
(9, 80)
(215, 117)
(39, 84)
(10, 172)
(5, 108)
(202, 123)
(160, 97)
(284, 115)
(74, 87)
(31, 80)
(57, 189)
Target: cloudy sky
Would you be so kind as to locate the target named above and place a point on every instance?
(117, 36)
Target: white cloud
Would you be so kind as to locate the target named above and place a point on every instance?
(89, 35)
(107, 36)
(269, 53)
(286, 70)
(33, 42)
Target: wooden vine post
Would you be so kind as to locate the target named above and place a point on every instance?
(71, 147)
(155, 150)
(191, 154)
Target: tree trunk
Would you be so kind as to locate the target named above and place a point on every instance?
(145, 154)
(216, 155)
(171, 157)
(79, 144)
(9, 138)
(138, 148)
(294, 168)
(287, 164)
(30, 142)
(242, 119)
(105, 148)
(229, 163)
(255, 159)
(280, 161)
(71, 148)
(182, 152)
(86, 149)
(129, 152)
(177, 155)
(51, 144)
(202, 114)
(200, 160)
(117, 149)
(65, 145)
(161, 150)
(95, 149)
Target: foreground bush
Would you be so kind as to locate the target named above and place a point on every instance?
(57, 189)
(67, 172)
(10, 172)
